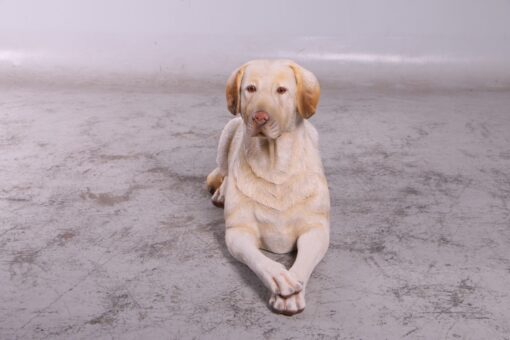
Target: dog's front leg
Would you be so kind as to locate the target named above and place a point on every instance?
(311, 248)
(312, 245)
(243, 246)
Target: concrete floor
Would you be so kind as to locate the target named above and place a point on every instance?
(106, 230)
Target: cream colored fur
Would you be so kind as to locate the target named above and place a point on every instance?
(270, 178)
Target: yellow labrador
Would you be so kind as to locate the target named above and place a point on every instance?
(270, 177)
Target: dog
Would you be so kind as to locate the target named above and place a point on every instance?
(270, 179)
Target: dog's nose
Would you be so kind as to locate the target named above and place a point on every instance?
(260, 117)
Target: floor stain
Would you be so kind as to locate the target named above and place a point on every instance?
(109, 199)
(117, 304)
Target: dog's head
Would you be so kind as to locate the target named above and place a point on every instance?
(272, 96)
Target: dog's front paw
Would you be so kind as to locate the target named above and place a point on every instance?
(289, 305)
(279, 280)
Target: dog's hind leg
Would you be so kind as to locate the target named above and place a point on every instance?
(216, 178)
(218, 194)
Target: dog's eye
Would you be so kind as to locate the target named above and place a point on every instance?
(281, 90)
(251, 88)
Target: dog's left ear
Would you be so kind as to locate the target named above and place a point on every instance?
(308, 90)
(233, 90)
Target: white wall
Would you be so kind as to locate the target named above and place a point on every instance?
(358, 38)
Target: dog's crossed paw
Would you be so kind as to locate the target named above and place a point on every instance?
(289, 305)
(288, 284)
(279, 280)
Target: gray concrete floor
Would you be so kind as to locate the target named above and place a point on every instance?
(106, 230)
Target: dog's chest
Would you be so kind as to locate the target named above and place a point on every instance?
(278, 211)
(275, 196)
(276, 231)
(287, 184)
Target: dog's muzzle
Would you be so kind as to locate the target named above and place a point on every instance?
(260, 118)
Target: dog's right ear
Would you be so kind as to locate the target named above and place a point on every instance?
(233, 90)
